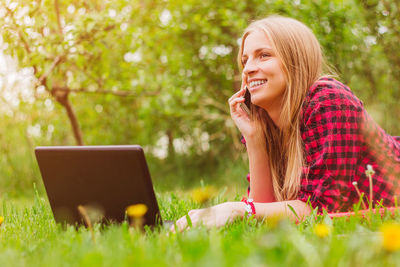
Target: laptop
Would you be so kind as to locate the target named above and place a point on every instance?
(105, 180)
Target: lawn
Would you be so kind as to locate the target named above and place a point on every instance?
(30, 237)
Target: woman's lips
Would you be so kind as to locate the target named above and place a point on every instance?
(251, 89)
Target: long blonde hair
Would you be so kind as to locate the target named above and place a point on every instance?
(302, 63)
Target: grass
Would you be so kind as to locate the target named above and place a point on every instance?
(30, 237)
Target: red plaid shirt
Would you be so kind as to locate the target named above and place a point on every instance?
(340, 140)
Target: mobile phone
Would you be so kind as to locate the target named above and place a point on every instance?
(247, 100)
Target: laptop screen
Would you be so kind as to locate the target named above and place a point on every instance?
(106, 179)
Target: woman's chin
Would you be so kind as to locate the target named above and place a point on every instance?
(255, 100)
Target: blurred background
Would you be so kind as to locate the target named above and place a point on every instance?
(159, 74)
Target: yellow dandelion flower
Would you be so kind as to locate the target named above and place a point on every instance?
(390, 233)
(274, 220)
(203, 194)
(322, 230)
(1, 220)
(137, 210)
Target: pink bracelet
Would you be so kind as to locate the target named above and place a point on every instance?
(250, 208)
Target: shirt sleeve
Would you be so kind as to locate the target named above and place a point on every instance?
(331, 135)
(397, 138)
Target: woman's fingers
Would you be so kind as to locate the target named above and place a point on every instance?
(182, 223)
(242, 88)
(234, 104)
(244, 80)
(191, 212)
(179, 225)
(236, 101)
(237, 94)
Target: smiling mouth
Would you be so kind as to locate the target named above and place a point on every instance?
(255, 84)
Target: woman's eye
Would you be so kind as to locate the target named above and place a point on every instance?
(264, 55)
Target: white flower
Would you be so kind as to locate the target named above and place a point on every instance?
(165, 17)
(133, 57)
(370, 171)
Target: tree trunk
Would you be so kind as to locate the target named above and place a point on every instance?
(62, 98)
(171, 149)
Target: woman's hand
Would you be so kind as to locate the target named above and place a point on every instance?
(242, 120)
(215, 216)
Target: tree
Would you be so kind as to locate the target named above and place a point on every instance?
(159, 73)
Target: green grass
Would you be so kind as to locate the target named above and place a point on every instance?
(30, 237)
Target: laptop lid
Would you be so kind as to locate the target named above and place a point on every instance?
(105, 178)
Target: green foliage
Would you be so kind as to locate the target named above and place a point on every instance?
(159, 73)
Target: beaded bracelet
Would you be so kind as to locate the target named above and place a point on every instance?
(250, 208)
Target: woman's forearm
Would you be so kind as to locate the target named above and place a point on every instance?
(261, 188)
(265, 210)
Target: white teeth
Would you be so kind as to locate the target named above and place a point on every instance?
(257, 83)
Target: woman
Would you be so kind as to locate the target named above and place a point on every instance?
(308, 138)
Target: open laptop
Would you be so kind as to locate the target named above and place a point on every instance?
(104, 179)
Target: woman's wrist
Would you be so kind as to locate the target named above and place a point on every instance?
(251, 134)
(256, 145)
(249, 208)
(239, 209)
(254, 137)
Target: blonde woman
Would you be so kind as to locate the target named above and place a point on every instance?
(308, 137)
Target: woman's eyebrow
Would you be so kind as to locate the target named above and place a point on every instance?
(258, 50)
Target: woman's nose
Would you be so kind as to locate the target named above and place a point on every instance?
(250, 67)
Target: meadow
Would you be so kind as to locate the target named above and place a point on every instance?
(29, 236)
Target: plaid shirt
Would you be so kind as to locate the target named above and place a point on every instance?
(340, 140)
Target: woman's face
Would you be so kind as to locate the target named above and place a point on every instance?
(262, 72)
